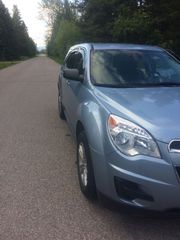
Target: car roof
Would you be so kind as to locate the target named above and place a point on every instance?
(105, 46)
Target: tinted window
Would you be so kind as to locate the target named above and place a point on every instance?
(133, 67)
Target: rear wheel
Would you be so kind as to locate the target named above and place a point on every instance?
(60, 107)
(85, 168)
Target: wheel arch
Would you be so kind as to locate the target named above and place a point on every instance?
(79, 128)
(91, 119)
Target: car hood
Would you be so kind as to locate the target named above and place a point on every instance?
(155, 109)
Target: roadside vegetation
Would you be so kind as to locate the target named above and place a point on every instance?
(7, 64)
(15, 43)
(153, 22)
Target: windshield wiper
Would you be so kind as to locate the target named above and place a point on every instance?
(165, 84)
(139, 85)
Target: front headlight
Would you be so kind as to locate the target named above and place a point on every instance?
(130, 138)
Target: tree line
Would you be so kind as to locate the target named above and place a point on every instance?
(15, 42)
(154, 22)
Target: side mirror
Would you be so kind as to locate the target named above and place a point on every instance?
(72, 74)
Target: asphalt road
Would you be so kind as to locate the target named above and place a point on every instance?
(39, 192)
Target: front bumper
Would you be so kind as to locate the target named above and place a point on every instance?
(157, 179)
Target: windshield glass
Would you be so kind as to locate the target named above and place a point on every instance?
(126, 68)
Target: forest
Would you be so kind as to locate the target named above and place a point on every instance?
(154, 22)
(15, 42)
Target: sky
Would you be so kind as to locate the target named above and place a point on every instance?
(30, 14)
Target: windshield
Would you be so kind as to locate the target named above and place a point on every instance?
(128, 68)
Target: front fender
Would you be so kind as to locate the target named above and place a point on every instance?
(94, 120)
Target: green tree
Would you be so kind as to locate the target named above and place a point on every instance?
(139, 28)
(166, 17)
(24, 44)
(99, 16)
(61, 17)
(14, 39)
(67, 34)
(6, 34)
(132, 21)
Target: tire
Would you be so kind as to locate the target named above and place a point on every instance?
(85, 167)
(60, 107)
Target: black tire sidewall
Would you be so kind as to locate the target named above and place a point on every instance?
(60, 108)
(90, 190)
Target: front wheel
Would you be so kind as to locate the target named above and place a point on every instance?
(85, 168)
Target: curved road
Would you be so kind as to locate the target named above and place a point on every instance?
(39, 192)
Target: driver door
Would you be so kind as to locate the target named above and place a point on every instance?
(71, 88)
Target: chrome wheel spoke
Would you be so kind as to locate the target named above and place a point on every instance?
(82, 164)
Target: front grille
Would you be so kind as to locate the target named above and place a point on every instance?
(174, 146)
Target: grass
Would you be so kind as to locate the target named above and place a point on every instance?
(56, 59)
(7, 64)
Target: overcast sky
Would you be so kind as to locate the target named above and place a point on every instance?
(29, 12)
